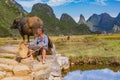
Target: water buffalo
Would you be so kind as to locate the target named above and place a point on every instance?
(27, 26)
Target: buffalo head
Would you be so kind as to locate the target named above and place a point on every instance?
(15, 24)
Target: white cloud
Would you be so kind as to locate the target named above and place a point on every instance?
(61, 2)
(58, 2)
(76, 18)
(99, 2)
(27, 4)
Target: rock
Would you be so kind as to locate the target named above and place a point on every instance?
(50, 78)
(81, 20)
(2, 74)
(36, 66)
(21, 70)
(55, 74)
(63, 62)
(8, 61)
(39, 75)
(18, 78)
(7, 55)
(28, 62)
(10, 49)
(9, 74)
(57, 78)
(5, 67)
(12, 78)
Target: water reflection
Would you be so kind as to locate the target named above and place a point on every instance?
(103, 74)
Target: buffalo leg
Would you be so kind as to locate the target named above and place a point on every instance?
(28, 38)
(23, 37)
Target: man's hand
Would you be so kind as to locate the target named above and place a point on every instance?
(26, 43)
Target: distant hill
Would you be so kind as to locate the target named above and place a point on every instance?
(9, 10)
(82, 20)
(54, 26)
(103, 23)
(66, 25)
(46, 13)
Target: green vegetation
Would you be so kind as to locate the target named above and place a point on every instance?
(53, 26)
(83, 45)
(8, 12)
(89, 45)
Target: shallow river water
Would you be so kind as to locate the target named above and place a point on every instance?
(93, 72)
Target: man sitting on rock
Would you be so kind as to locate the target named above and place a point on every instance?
(40, 43)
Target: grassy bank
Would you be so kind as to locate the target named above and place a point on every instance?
(90, 49)
(84, 49)
(82, 45)
(89, 45)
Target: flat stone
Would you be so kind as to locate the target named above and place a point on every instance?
(27, 61)
(50, 77)
(18, 78)
(12, 78)
(55, 74)
(21, 70)
(10, 48)
(63, 62)
(7, 55)
(5, 67)
(9, 74)
(8, 61)
(39, 75)
(39, 66)
(57, 78)
(2, 74)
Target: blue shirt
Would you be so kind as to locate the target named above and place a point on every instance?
(42, 42)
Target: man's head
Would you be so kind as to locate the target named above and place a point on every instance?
(40, 31)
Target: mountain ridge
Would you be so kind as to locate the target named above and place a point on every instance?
(8, 12)
(103, 22)
(66, 25)
(53, 26)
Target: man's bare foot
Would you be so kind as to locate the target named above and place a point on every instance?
(43, 61)
(31, 57)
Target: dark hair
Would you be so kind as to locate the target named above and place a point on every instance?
(41, 29)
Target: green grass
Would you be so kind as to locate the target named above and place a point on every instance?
(82, 45)
(5, 41)
(89, 45)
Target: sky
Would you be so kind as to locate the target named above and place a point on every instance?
(76, 7)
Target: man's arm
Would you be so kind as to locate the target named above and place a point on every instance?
(46, 41)
(34, 42)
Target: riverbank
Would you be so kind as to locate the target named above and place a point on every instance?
(28, 69)
(90, 49)
(94, 60)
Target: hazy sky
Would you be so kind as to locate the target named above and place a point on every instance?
(76, 7)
